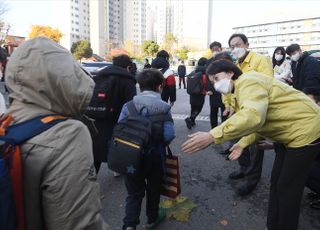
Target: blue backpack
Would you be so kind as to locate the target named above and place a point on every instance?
(11, 171)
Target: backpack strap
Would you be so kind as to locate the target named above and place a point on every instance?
(132, 109)
(153, 118)
(19, 133)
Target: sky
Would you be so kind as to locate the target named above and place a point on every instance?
(227, 14)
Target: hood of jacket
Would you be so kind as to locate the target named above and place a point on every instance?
(160, 63)
(43, 78)
(116, 70)
(151, 101)
(201, 69)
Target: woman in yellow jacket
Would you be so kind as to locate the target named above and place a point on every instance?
(268, 108)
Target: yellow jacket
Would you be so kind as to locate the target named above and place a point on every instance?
(268, 108)
(253, 62)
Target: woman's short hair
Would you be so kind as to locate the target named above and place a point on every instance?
(150, 79)
(224, 66)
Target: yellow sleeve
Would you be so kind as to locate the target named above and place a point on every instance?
(229, 100)
(248, 140)
(226, 99)
(253, 105)
(265, 67)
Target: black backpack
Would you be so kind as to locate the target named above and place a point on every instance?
(105, 102)
(195, 84)
(132, 138)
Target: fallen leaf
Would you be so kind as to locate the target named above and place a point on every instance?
(224, 222)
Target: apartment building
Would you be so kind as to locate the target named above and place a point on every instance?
(74, 22)
(264, 38)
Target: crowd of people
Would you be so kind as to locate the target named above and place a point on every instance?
(264, 103)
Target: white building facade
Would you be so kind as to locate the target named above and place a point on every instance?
(264, 38)
(75, 25)
(182, 18)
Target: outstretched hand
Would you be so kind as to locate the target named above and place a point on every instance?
(228, 112)
(236, 152)
(197, 141)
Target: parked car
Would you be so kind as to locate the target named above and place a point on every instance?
(94, 67)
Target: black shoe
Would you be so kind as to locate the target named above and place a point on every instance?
(245, 190)
(188, 122)
(225, 152)
(193, 123)
(236, 175)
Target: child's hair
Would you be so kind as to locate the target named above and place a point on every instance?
(150, 79)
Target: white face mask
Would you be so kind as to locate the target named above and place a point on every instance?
(238, 52)
(223, 86)
(295, 57)
(278, 57)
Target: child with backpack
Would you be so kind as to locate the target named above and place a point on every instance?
(149, 178)
(196, 88)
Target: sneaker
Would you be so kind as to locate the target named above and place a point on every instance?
(188, 122)
(128, 228)
(193, 123)
(115, 174)
(315, 204)
(160, 218)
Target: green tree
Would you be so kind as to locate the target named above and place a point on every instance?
(46, 31)
(169, 41)
(81, 49)
(150, 48)
(183, 54)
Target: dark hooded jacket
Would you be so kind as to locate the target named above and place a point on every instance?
(127, 90)
(306, 73)
(198, 100)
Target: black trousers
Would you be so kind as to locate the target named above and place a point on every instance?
(289, 174)
(149, 182)
(214, 116)
(183, 80)
(195, 110)
(251, 162)
(313, 181)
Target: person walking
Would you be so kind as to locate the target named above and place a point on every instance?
(161, 62)
(197, 100)
(182, 74)
(125, 89)
(147, 64)
(149, 180)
